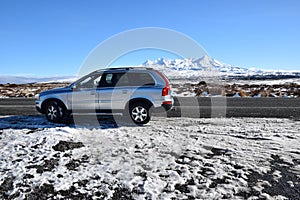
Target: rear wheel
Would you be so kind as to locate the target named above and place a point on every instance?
(55, 112)
(139, 113)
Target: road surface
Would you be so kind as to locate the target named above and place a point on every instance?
(193, 107)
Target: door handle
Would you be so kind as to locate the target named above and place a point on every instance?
(124, 91)
(93, 93)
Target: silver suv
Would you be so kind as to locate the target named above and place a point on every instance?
(133, 92)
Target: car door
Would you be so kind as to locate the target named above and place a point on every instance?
(113, 91)
(84, 96)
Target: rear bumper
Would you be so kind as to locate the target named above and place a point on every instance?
(167, 106)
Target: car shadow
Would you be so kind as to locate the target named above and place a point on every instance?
(34, 122)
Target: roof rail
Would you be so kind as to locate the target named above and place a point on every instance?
(119, 68)
(124, 68)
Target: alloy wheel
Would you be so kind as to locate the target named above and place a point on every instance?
(139, 114)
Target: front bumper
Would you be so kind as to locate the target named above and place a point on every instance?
(38, 106)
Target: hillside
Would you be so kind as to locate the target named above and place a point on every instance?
(193, 68)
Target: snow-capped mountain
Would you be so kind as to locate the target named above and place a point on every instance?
(207, 66)
(34, 79)
(187, 68)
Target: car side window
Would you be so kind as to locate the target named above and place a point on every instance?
(126, 79)
(122, 80)
(90, 81)
(112, 80)
(141, 79)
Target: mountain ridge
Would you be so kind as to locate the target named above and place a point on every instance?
(4, 79)
(207, 66)
(187, 68)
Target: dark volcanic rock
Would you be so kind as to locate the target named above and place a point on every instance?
(67, 145)
(277, 187)
(74, 163)
(48, 165)
(122, 194)
(6, 186)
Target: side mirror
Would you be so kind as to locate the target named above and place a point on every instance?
(73, 87)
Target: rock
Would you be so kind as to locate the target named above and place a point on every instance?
(67, 145)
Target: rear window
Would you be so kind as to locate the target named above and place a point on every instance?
(140, 79)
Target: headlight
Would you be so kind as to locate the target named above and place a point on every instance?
(37, 97)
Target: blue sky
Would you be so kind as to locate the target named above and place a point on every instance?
(53, 37)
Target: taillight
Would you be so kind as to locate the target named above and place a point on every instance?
(165, 91)
(167, 88)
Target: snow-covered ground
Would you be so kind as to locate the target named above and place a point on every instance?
(270, 82)
(169, 158)
(287, 88)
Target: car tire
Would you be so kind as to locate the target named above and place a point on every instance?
(139, 113)
(54, 112)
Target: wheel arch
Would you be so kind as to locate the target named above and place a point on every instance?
(60, 102)
(135, 100)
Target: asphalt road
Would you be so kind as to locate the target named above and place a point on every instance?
(237, 107)
(193, 107)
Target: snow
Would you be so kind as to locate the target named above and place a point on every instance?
(208, 67)
(168, 158)
(287, 88)
(35, 79)
(3, 97)
(268, 82)
(236, 95)
(187, 68)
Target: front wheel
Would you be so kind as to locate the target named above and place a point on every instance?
(54, 112)
(139, 113)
